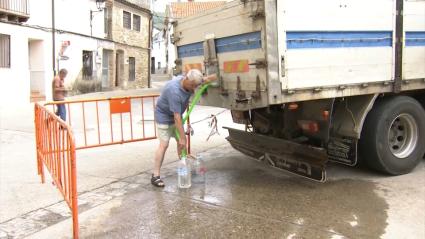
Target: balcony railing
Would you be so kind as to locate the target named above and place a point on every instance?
(15, 10)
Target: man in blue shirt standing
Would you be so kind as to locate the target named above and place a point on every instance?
(171, 104)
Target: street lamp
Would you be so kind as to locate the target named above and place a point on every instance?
(99, 4)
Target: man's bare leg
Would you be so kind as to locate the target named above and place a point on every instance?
(159, 157)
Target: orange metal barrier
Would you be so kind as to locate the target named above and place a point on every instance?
(55, 148)
(90, 123)
(102, 122)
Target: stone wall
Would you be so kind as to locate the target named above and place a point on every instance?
(140, 55)
(127, 36)
(142, 59)
(131, 43)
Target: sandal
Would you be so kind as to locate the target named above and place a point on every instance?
(157, 181)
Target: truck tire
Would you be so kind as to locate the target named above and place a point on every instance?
(393, 136)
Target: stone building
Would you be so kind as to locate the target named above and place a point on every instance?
(130, 30)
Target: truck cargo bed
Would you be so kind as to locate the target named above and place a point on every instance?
(272, 52)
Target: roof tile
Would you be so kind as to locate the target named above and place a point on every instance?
(186, 9)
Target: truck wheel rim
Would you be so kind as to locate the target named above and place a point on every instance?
(403, 136)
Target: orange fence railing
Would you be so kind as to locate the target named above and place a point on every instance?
(89, 123)
(102, 122)
(55, 146)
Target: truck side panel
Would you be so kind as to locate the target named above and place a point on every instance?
(414, 47)
(346, 42)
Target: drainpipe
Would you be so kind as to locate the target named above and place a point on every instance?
(167, 26)
(150, 49)
(53, 38)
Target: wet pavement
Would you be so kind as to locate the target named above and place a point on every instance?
(243, 198)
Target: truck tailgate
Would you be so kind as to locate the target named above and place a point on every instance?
(237, 32)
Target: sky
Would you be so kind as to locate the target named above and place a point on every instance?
(159, 5)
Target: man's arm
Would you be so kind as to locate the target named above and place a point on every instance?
(178, 122)
(209, 78)
(57, 85)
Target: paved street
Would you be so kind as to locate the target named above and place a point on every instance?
(241, 198)
(245, 199)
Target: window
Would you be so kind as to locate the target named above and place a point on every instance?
(136, 22)
(4, 51)
(87, 64)
(131, 69)
(126, 20)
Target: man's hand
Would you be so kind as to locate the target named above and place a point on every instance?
(179, 126)
(182, 142)
(210, 78)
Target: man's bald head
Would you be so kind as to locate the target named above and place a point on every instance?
(195, 76)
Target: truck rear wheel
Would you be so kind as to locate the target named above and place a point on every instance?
(393, 136)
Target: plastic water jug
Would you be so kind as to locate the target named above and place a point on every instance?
(184, 173)
(199, 169)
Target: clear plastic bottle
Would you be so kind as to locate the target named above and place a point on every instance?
(184, 173)
(199, 169)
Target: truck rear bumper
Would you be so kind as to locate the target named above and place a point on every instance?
(302, 160)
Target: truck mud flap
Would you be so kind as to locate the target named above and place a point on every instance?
(302, 160)
(343, 151)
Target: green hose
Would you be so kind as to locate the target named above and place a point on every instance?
(195, 100)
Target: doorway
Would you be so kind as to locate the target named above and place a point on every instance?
(36, 70)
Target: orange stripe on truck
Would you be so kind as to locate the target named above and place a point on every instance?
(239, 66)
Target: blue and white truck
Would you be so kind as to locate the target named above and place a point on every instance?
(315, 81)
